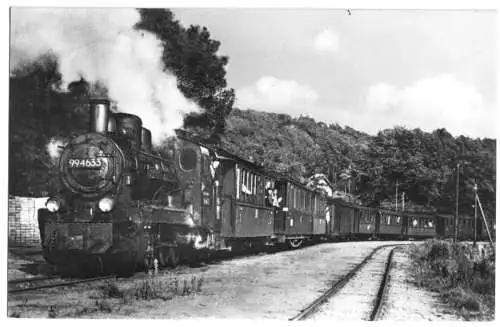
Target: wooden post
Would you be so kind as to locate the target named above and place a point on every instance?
(475, 213)
(456, 202)
(484, 218)
(397, 195)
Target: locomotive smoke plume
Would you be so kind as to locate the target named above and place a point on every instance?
(102, 46)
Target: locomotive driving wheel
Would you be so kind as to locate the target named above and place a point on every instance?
(295, 243)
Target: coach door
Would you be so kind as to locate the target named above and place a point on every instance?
(210, 195)
(280, 207)
(404, 227)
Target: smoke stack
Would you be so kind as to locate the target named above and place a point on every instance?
(99, 114)
(146, 140)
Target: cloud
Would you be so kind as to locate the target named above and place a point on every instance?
(270, 92)
(327, 41)
(441, 101)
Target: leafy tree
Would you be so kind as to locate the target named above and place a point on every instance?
(38, 112)
(191, 54)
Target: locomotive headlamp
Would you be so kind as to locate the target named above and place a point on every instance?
(53, 204)
(106, 204)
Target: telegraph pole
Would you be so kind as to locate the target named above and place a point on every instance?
(475, 213)
(403, 198)
(456, 202)
(397, 195)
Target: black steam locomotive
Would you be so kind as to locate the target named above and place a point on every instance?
(117, 197)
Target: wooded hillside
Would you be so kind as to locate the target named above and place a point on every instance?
(365, 166)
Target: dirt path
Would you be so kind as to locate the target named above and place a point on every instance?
(407, 302)
(271, 286)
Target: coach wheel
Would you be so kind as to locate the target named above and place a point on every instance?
(295, 243)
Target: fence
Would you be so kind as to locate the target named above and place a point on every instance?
(23, 221)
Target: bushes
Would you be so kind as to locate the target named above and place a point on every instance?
(462, 276)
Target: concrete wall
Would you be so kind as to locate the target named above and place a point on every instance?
(23, 221)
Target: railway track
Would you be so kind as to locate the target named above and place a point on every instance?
(31, 284)
(357, 295)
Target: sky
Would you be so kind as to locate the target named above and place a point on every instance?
(371, 70)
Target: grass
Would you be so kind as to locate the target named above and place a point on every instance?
(112, 297)
(463, 276)
(115, 298)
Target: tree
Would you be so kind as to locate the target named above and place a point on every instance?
(38, 112)
(191, 55)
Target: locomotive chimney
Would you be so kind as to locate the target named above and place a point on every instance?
(146, 140)
(99, 114)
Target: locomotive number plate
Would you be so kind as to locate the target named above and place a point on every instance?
(87, 163)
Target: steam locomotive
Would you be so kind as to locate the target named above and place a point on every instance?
(122, 206)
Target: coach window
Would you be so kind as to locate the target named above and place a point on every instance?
(238, 181)
(254, 188)
(297, 193)
(269, 192)
(248, 186)
(243, 183)
(299, 204)
(296, 199)
(259, 189)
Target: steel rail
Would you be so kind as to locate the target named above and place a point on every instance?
(382, 291)
(66, 283)
(32, 279)
(312, 307)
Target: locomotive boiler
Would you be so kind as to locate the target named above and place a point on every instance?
(121, 206)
